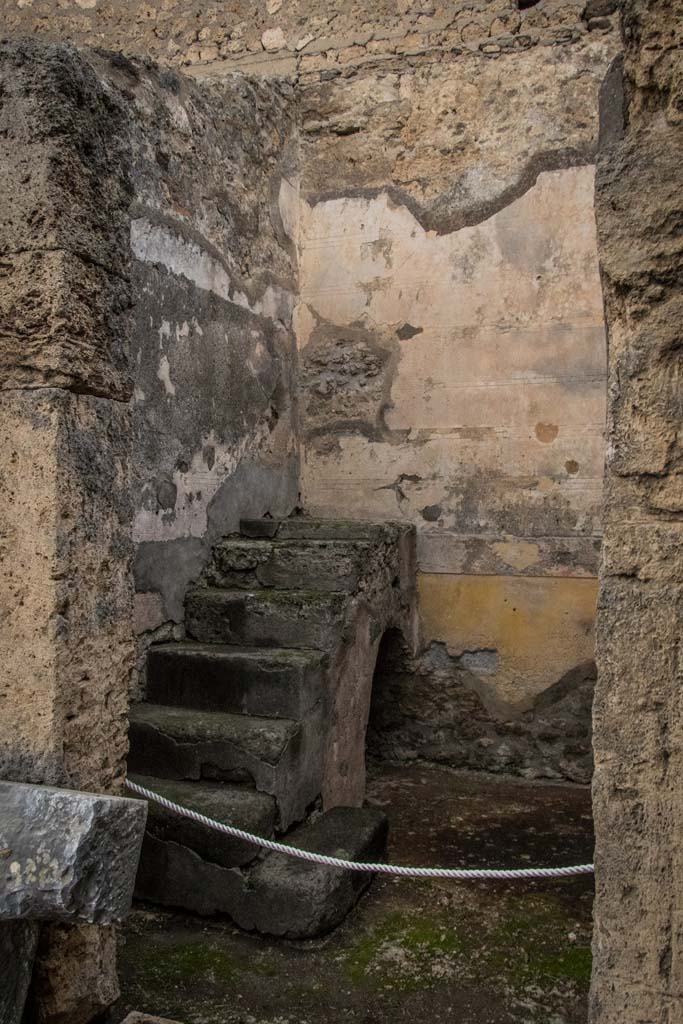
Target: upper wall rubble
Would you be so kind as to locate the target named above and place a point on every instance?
(311, 38)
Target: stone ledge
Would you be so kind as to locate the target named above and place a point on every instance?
(66, 855)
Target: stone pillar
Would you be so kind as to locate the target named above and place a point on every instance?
(638, 717)
(65, 449)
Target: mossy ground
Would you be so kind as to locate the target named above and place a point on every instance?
(513, 953)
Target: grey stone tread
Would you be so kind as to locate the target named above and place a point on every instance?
(274, 618)
(263, 681)
(260, 544)
(332, 566)
(278, 895)
(263, 657)
(229, 803)
(300, 527)
(263, 738)
(303, 598)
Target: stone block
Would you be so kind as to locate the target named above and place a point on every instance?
(298, 899)
(287, 618)
(18, 943)
(322, 565)
(281, 896)
(232, 804)
(276, 755)
(269, 682)
(67, 640)
(63, 325)
(67, 855)
(75, 974)
(63, 152)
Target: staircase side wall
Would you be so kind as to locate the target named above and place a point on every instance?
(214, 281)
(638, 737)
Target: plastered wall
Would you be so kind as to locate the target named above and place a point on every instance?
(452, 348)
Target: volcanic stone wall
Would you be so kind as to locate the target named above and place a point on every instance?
(66, 439)
(638, 803)
(309, 38)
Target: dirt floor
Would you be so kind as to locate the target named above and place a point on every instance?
(411, 951)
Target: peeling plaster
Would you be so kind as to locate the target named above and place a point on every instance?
(157, 243)
(196, 486)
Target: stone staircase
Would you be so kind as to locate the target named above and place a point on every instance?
(258, 719)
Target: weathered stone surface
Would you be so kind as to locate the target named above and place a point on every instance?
(312, 565)
(278, 756)
(67, 855)
(281, 895)
(66, 642)
(75, 977)
(315, 40)
(212, 677)
(232, 804)
(146, 1018)
(64, 324)
(63, 225)
(18, 943)
(298, 899)
(433, 708)
(214, 283)
(63, 143)
(638, 938)
(65, 515)
(273, 618)
(453, 351)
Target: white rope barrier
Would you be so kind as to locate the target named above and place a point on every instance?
(460, 874)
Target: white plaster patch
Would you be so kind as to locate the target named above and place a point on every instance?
(195, 489)
(155, 243)
(289, 207)
(164, 375)
(303, 323)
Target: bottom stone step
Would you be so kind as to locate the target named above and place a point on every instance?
(279, 895)
(228, 803)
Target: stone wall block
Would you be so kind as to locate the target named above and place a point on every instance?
(67, 584)
(638, 716)
(75, 977)
(65, 179)
(18, 944)
(69, 855)
(63, 322)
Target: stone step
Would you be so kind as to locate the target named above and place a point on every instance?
(322, 565)
(276, 755)
(226, 802)
(302, 528)
(272, 618)
(279, 895)
(270, 682)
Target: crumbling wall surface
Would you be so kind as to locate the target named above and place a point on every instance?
(452, 352)
(66, 640)
(638, 803)
(308, 37)
(214, 281)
